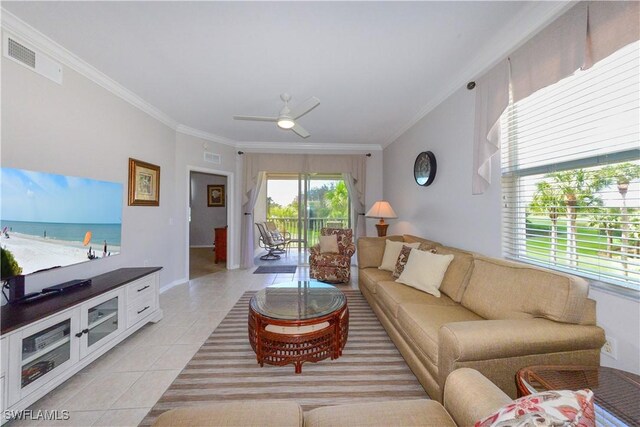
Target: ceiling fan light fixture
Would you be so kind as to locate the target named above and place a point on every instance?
(285, 123)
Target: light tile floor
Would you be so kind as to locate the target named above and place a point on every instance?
(119, 388)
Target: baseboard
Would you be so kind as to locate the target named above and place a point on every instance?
(233, 267)
(175, 283)
(200, 246)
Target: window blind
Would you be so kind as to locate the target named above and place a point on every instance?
(571, 173)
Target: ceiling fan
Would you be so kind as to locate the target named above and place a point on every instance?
(287, 117)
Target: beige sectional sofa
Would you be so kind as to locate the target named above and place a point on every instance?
(495, 316)
(468, 397)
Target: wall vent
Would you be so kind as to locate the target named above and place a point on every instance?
(40, 63)
(22, 53)
(212, 157)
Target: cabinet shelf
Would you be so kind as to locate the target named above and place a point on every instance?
(103, 319)
(48, 349)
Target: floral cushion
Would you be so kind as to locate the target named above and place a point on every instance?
(404, 257)
(549, 408)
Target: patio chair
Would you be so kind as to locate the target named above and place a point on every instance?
(278, 235)
(269, 243)
(333, 267)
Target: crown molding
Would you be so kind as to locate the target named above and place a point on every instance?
(186, 130)
(533, 18)
(302, 147)
(44, 44)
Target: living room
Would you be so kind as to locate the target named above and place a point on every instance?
(392, 82)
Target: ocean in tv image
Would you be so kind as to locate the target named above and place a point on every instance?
(49, 220)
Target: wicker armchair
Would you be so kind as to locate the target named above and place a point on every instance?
(330, 267)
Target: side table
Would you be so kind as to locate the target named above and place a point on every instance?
(616, 392)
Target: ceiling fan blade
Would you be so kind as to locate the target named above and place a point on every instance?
(303, 108)
(256, 118)
(300, 131)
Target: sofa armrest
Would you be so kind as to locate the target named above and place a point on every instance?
(473, 344)
(469, 396)
(314, 250)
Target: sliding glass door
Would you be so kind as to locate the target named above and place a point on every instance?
(302, 204)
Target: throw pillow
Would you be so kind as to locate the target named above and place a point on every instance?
(276, 236)
(329, 244)
(404, 257)
(391, 252)
(548, 408)
(425, 271)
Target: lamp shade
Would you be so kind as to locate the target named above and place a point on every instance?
(381, 209)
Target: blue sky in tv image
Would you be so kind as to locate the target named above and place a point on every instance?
(44, 197)
(49, 220)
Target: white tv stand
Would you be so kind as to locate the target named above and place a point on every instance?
(46, 342)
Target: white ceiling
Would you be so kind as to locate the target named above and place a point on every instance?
(376, 67)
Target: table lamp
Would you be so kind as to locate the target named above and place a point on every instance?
(381, 209)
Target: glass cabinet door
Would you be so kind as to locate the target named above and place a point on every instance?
(103, 320)
(44, 351)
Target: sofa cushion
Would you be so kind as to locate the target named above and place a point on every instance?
(501, 289)
(392, 295)
(421, 324)
(277, 413)
(392, 252)
(547, 408)
(425, 271)
(457, 276)
(419, 412)
(370, 277)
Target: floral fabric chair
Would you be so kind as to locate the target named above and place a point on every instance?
(333, 267)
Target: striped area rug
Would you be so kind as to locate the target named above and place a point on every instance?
(225, 368)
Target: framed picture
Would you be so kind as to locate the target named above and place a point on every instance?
(215, 195)
(144, 183)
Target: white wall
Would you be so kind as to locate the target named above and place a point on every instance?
(80, 129)
(447, 212)
(189, 156)
(373, 190)
(204, 219)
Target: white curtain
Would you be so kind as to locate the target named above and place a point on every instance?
(256, 166)
(585, 34)
(355, 187)
(252, 186)
(492, 97)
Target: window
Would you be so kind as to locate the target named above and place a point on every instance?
(571, 173)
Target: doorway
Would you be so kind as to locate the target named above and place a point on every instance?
(302, 204)
(208, 219)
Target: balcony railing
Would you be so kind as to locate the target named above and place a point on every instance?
(290, 224)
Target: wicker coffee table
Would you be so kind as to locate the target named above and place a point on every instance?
(297, 322)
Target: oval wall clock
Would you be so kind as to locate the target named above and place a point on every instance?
(424, 169)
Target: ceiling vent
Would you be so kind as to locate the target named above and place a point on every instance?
(30, 58)
(212, 157)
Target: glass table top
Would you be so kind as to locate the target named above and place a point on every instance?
(298, 300)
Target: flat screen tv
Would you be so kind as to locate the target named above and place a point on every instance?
(49, 220)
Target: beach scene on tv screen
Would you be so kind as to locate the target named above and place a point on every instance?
(49, 220)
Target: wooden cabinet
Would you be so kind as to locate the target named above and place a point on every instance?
(220, 241)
